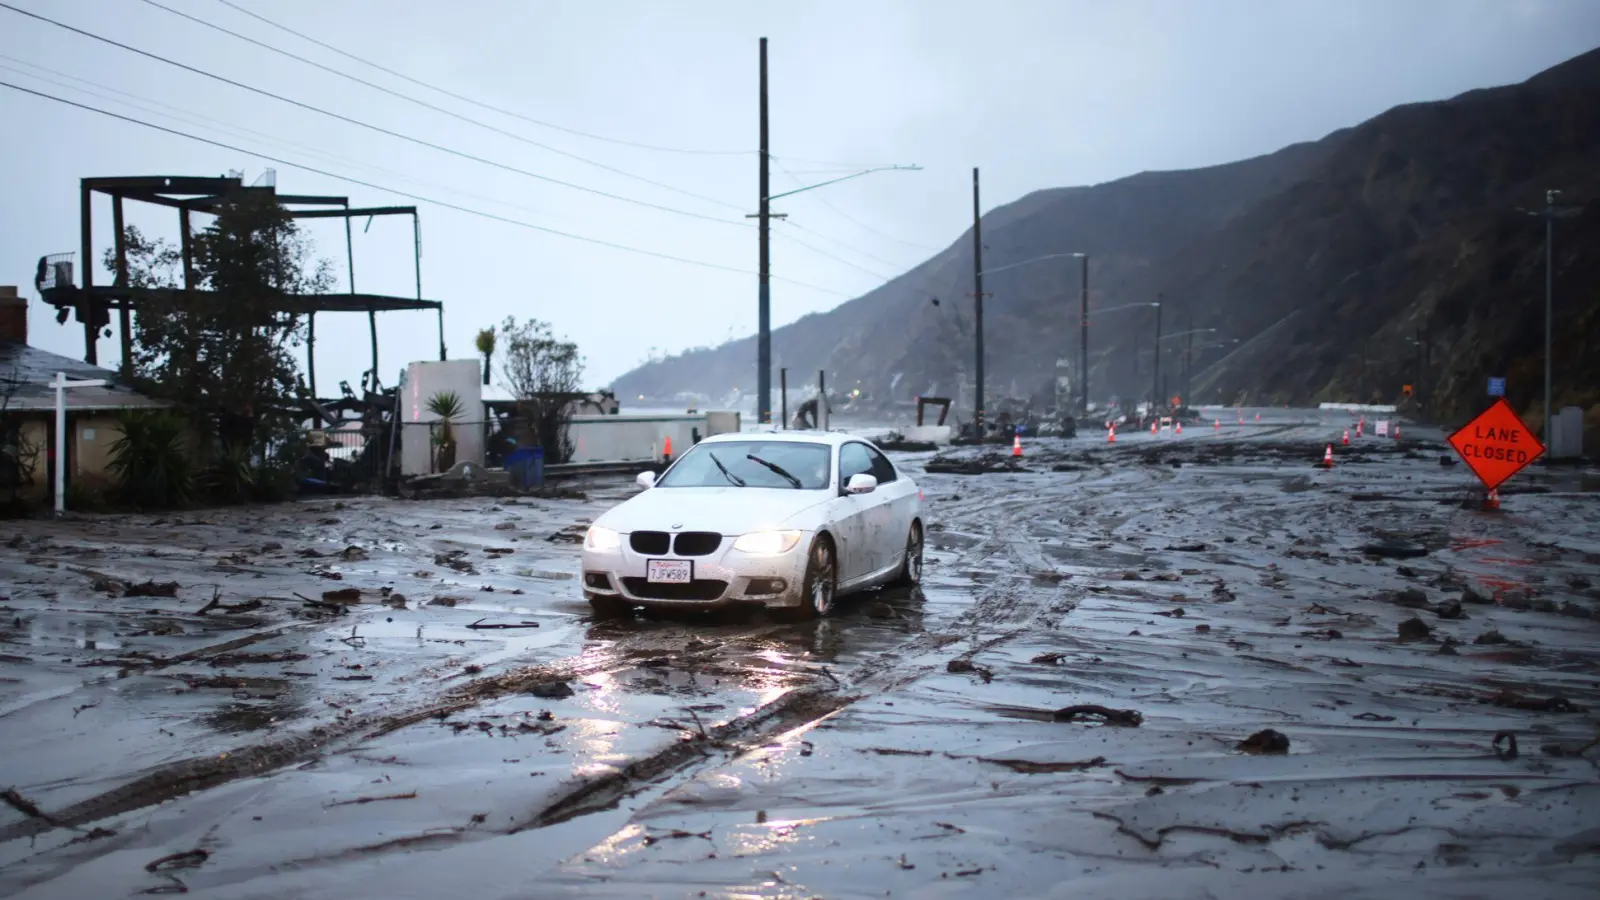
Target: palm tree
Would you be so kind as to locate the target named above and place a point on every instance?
(485, 342)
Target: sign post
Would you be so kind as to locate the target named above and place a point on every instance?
(61, 384)
(1496, 445)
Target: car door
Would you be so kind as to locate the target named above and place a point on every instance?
(889, 516)
(849, 515)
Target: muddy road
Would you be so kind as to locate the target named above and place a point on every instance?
(1168, 667)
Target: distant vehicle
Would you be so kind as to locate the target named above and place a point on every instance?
(788, 521)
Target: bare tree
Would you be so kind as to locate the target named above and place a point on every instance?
(544, 374)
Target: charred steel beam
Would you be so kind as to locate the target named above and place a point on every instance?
(354, 213)
(165, 184)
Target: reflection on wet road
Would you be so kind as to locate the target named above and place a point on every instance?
(457, 724)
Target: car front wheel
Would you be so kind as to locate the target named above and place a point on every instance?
(821, 584)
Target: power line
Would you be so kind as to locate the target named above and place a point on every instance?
(238, 130)
(439, 109)
(418, 197)
(479, 103)
(838, 243)
(839, 259)
(369, 126)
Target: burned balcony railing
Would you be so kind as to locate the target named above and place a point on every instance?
(55, 271)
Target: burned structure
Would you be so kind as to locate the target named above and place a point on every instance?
(69, 285)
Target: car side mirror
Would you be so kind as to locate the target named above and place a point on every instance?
(861, 483)
(646, 479)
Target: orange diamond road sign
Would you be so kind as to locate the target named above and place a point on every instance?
(1496, 445)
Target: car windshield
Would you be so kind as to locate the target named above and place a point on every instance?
(773, 466)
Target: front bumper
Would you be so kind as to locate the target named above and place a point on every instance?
(724, 577)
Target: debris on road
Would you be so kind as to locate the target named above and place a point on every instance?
(1414, 629)
(1123, 718)
(552, 690)
(1265, 741)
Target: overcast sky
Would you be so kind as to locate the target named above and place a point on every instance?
(1038, 93)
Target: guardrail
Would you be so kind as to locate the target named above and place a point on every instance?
(600, 468)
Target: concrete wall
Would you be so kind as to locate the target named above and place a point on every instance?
(643, 437)
(422, 381)
(90, 435)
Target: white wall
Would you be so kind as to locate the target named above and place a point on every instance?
(422, 381)
(642, 437)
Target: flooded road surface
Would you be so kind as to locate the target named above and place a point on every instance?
(1166, 667)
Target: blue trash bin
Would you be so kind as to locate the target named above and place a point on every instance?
(526, 467)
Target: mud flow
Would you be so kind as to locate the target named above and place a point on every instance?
(1165, 667)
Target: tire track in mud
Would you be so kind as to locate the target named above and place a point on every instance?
(1008, 602)
(1012, 601)
(201, 773)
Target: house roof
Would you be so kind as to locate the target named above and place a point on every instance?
(26, 373)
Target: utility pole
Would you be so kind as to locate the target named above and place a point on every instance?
(1550, 213)
(764, 291)
(1188, 358)
(977, 298)
(1155, 388)
(1083, 349)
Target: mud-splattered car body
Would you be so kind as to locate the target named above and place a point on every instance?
(783, 520)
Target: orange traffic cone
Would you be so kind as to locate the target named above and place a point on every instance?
(1177, 428)
(1016, 445)
(666, 450)
(1216, 424)
(1359, 426)
(1258, 417)
(1152, 427)
(1327, 458)
(1111, 435)
(1492, 500)
(1346, 440)
(1397, 431)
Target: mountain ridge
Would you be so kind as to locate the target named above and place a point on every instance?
(1324, 260)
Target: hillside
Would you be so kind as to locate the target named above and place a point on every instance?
(1324, 260)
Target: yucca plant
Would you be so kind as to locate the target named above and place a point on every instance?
(447, 406)
(150, 462)
(232, 476)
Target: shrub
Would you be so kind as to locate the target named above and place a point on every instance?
(149, 461)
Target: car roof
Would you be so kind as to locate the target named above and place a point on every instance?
(831, 438)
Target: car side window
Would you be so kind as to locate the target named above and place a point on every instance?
(854, 459)
(882, 469)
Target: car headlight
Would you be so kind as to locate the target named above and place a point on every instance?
(767, 543)
(601, 540)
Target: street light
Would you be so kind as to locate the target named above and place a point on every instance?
(1143, 305)
(978, 310)
(764, 275)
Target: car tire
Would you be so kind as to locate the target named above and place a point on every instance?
(611, 607)
(911, 570)
(819, 595)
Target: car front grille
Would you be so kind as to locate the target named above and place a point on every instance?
(652, 543)
(696, 543)
(699, 589)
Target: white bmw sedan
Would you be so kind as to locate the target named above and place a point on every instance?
(787, 520)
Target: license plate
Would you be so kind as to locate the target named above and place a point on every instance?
(669, 571)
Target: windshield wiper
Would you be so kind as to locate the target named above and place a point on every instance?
(729, 475)
(774, 467)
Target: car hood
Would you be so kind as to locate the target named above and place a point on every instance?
(729, 510)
